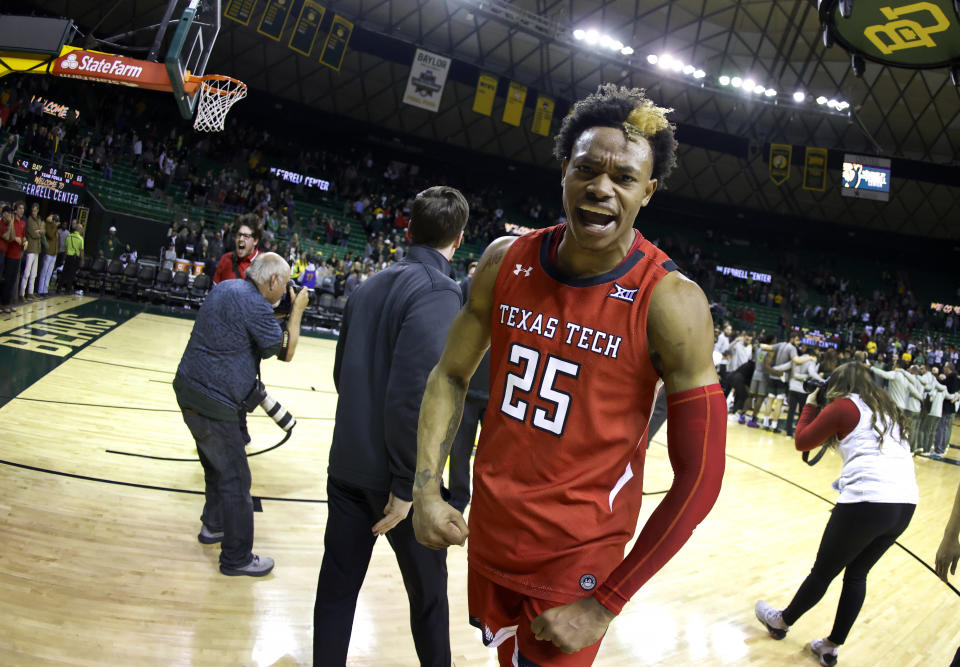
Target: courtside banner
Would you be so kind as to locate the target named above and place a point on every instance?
(486, 92)
(240, 10)
(815, 169)
(513, 110)
(780, 155)
(428, 74)
(543, 116)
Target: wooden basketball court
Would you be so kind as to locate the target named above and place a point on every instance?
(99, 562)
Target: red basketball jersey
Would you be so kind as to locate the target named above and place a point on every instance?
(559, 467)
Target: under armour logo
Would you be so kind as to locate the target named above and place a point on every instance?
(525, 271)
(622, 293)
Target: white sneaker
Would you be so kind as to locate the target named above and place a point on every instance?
(772, 619)
(826, 653)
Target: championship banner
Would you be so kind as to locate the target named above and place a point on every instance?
(307, 26)
(336, 45)
(815, 169)
(780, 155)
(240, 10)
(275, 18)
(513, 110)
(542, 116)
(428, 74)
(486, 93)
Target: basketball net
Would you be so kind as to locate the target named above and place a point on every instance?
(217, 94)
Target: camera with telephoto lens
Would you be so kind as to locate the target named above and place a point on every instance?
(282, 309)
(259, 396)
(810, 385)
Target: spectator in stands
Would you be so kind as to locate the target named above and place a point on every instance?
(32, 253)
(234, 264)
(49, 257)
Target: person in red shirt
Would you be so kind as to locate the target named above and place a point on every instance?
(586, 322)
(247, 237)
(14, 233)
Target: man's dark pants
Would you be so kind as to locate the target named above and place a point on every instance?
(228, 506)
(348, 543)
(70, 266)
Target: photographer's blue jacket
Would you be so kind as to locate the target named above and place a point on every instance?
(234, 329)
(394, 328)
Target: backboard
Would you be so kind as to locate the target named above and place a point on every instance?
(190, 49)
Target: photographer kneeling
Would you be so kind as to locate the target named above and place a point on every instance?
(217, 380)
(878, 494)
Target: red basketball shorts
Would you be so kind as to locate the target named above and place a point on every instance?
(504, 617)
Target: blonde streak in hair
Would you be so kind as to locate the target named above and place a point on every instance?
(646, 120)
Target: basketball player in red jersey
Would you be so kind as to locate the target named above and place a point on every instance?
(583, 321)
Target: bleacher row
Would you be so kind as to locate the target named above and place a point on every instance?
(146, 281)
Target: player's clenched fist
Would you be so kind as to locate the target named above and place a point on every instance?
(574, 626)
(437, 524)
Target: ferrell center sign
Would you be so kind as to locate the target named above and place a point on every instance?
(914, 35)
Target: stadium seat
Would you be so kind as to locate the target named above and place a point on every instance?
(158, 291)
(145, 277)
(112, 276)
(92, 278)
(179, 291)
(198, 291)
(128, 284)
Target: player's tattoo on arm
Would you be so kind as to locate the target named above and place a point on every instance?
(492, 259)
(424, 477)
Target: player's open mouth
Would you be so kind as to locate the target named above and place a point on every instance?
(595, 219)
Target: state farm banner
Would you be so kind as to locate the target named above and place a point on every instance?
(108, 68)
(428, 74)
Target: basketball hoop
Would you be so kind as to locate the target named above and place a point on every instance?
(216, 95)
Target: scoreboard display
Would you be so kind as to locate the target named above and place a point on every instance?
(45, 182)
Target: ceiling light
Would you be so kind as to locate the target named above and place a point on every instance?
(832, 104)
(748, 84)
(688, 69)
(616, 45)
(842, 106)
(628, 51)
(676, 65)
(724, 80)
(606, 41)
(699, 74)
(736, 82)
(799, 96)
(592, 37)
(652, 59)
(579, 34)
(821, 100)
(769, 92)
(758, 89)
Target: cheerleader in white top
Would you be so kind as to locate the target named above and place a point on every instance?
(878, 495)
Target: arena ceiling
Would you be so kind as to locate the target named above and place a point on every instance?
(912, 116)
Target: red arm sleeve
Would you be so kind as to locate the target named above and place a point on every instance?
(696, 440)
(839, 419)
